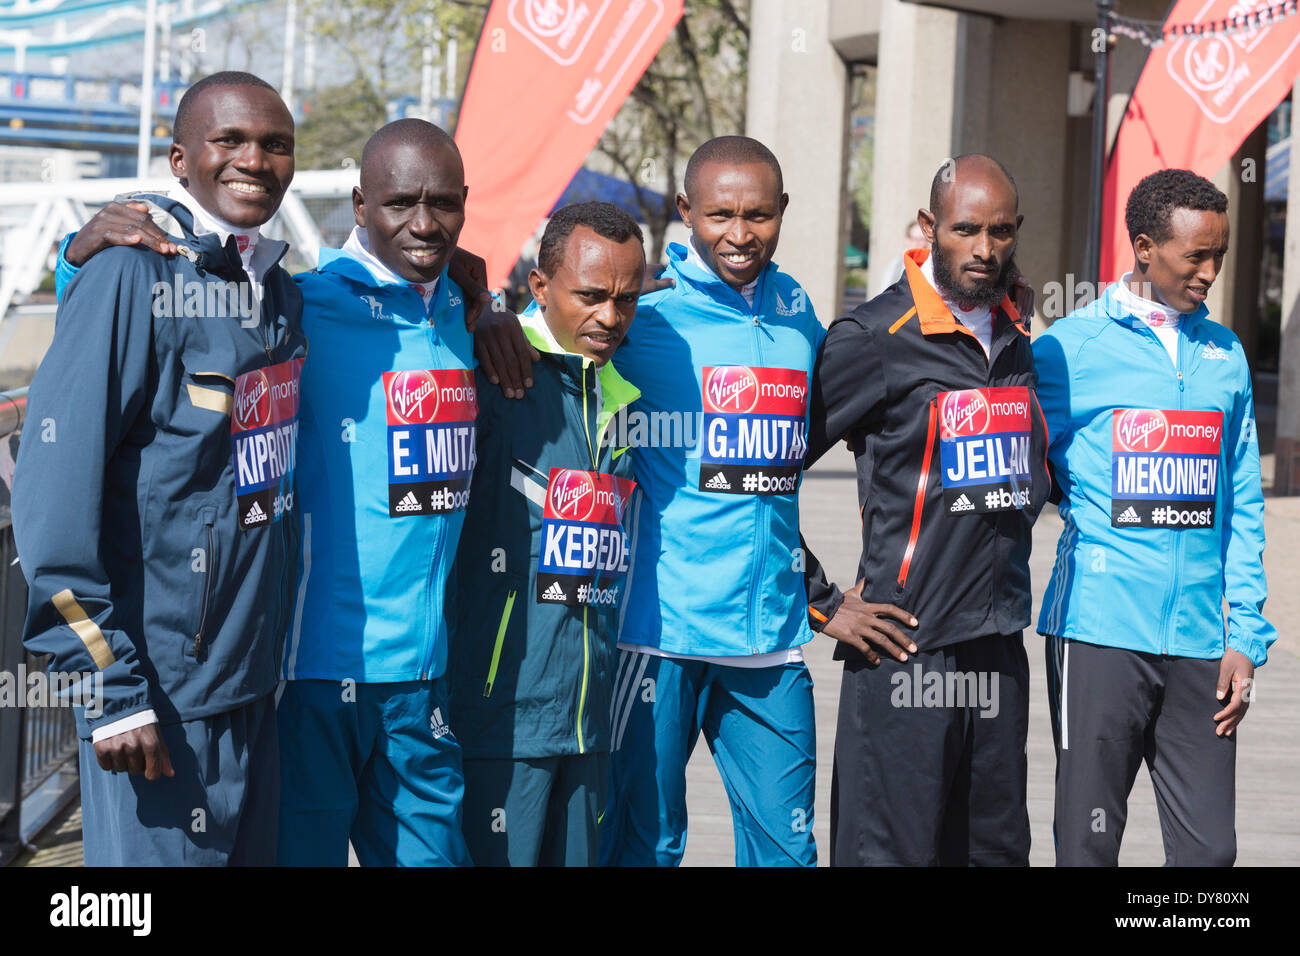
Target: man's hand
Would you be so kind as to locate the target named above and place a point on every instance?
(1236, 686)
(861, 624)
(470, 273)
(653, 281)
(136, 751)
(118, 224)
(504, 352)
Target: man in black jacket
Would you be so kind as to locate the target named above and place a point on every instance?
(932, 385)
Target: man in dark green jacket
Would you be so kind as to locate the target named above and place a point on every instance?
(543, 557)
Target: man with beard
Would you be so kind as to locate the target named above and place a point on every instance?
(932, 385)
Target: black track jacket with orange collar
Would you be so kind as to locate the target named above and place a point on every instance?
(951, 452)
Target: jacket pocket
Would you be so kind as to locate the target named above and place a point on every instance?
(495, 663)
(202, 562)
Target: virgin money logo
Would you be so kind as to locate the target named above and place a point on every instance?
(732, 388)
(413, 397)
(1142, 429)
(964, 413)
(252, 400)
(573, 495)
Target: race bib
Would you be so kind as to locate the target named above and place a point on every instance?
(753, 430)
(431, 440)
(584, 547)
(984, 449)
(1164, 468)
(264, 431)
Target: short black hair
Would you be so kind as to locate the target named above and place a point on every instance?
(946, 177)
(185, 109)
(603, 218)
(732, 150)
(1152, 202)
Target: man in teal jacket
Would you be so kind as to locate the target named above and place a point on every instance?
(1153, 442)
(543, 559)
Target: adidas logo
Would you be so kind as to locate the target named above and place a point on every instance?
(554, 592)
(1214, 352)
(438, 725)
(962, 504)
(454, 301)
(718, 482)
(409, 503)
(1128, 517)
(255, 514)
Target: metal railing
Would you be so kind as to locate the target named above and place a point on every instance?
(38, 744)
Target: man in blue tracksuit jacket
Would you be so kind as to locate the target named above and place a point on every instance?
(715, 615)
(1153, 442)
(387, 449)
(153, 500)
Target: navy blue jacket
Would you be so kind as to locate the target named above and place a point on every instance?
(153, 495)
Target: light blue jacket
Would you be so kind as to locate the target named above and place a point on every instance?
(1153, 589)
(716, 571)
(370, 598)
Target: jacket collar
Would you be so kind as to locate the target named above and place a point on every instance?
(616, 391)
(708, 282)
(209, 251)
(935, 317)
(343, 263)
(1113, 308)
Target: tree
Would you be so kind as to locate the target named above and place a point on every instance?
(376, 48)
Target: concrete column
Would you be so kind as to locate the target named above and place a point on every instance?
(1286, 448)
(1027, 129)
(915, 85)
(797, 105)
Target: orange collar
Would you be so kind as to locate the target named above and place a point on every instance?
(934, 315)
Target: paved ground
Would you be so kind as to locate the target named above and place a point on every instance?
(1268, 768)
(1268, 772)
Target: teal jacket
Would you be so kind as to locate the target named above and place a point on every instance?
(542, 562)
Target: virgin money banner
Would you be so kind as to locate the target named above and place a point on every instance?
(1195, 103)
(547, 77)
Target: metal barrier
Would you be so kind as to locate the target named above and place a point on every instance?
(38, 744)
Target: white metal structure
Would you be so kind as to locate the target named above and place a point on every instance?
(34, 216)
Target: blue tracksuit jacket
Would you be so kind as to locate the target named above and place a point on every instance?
(1159, 468)
(718, 438)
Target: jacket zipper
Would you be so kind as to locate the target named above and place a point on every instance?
(208, 557)
(496, 648)
(1176, 564)
(919, 505)
(586, 643)
(761, 503)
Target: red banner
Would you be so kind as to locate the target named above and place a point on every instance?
(547, 77)
(1197, 100)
